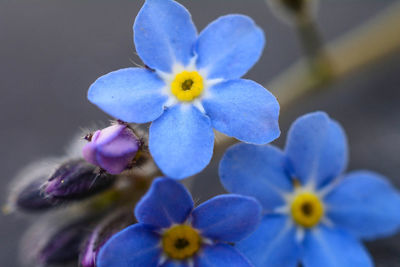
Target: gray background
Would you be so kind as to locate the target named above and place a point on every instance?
(51, 51)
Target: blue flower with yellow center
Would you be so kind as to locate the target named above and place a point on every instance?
(171, 232)
(192, 85)
(312, 212)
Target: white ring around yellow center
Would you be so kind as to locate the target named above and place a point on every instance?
(307, 209)
(181, 241)
(187, 85)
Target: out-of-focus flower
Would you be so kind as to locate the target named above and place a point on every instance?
(76, 179)
(113, 148)
(108, 227)
(298, 11)
(314, 214)
(171, 233)
(192, 85)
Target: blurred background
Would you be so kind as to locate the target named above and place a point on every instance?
(51, 51)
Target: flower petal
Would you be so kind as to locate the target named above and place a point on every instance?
(227, 218)
(273, 244)
(365, 204)
(131, 95)
(333, 248)
(228, 47)
(243, 109)
(135, 246)
(181, 141)
(172, 263)
(167, 202)
(221, 255)
(164, 34)
(256, 171)
(316, 147)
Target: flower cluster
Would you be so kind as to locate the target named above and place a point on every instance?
(285, 207)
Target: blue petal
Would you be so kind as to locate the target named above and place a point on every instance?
(316, 147)
(229, 46)
(333, 248)
(131, 95)
(256, 171)
(221, 255)
(365, 204)
(181, 141)
(273, 244)
(228, 218)
(243, 109)
(164, 34)
(167, 202)
(172, 263)
(135, 246)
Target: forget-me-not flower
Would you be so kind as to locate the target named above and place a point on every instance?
(172, 233)
(192, 85)
(313, 213)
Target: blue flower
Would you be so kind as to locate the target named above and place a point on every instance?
(313, 213)
(171, 233)
(192, 85)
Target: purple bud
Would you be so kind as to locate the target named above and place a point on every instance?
(31, 198)
(26, 190)
(111, 225)
(64, 245)
(56, 239)
(77, 179)
(113, 148)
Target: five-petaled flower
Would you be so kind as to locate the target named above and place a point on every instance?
(171, 232)
(314, 214)
(192, 85)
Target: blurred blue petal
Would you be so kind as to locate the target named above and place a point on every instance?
(221, 255)
(365, 204)
(167, 202)
(243, 109)
(273, 244)
(333, 248)
(135, 246)
(164, 34)
(131, 95)
(316, 147)
(172, 263)
(229, 46)
(228, 218)
(256, 171)
(181, 141)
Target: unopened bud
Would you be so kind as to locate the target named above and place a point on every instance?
(64, 246)
(77, 179)
(296, 6)
(113, 148)
(104, 231)
(26, 191)
(31, 198)
(297, 10)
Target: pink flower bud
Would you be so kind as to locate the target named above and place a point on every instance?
(113, 148)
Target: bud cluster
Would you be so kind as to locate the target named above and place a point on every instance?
(91, 192)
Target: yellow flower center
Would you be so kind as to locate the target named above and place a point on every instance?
(181, 241)
(307, 209)
(187, 85)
